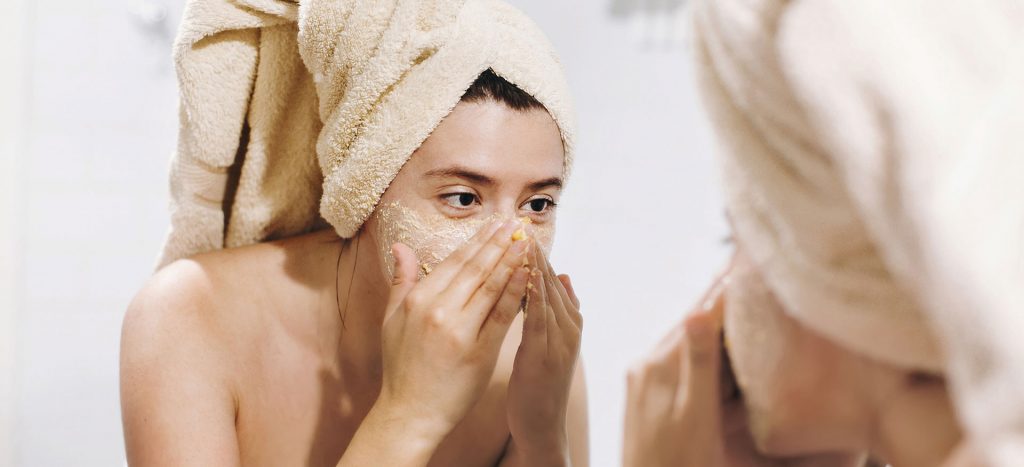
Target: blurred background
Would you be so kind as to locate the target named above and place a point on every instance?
(88, 124)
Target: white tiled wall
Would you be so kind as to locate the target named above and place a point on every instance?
(639, 229)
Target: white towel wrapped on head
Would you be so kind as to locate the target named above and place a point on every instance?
(874, 167)
(295, 110)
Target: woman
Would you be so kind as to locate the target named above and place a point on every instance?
(392, 345)
(870, 159)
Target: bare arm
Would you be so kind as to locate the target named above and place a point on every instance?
(176, 404)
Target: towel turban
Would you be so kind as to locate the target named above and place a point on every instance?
(293, 111)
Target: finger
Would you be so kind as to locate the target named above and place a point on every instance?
(535, 324)
(496, 326)
(485, 298)
(405, 278)
(551, 329)
(444, 272)
(477, 269)
(558, 298)
(699, 400)
(567, 283)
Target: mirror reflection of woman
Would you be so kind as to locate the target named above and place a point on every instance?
(871, 162)
(435, 334)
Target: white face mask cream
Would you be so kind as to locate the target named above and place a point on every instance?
(433, 237)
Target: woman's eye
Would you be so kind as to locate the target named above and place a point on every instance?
(460, 200)
(539, 205)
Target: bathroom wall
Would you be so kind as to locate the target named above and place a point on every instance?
(12, 108)
(90, 119)
(98, 126)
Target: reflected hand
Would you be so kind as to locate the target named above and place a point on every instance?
(682, 409)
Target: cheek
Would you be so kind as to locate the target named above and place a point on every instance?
(544, 235)
(758, 346)
(796, 385)
(431, 236)
(770, 361)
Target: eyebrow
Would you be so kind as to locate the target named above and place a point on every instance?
(463, 173)
(553, 182)
(481, 179)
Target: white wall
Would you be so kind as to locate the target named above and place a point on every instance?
(99, 128)
(640, 227)
(12, 129)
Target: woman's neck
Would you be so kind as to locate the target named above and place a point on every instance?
(915, 424)
(361, 294)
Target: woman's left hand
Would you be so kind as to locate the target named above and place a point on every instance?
(538, 390)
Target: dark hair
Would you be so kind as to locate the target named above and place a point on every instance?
(491, 86)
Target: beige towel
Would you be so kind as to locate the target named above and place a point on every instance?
(295, 111)
(874, 167)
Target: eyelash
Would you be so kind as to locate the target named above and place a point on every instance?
(458, 197)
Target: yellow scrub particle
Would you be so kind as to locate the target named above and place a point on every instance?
(520, 234)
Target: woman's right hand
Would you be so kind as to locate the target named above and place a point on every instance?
(441, 338)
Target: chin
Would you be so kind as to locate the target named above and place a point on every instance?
(771, 435)
(793, 430)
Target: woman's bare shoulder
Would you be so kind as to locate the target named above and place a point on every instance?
(219, 298)
(175, 354)
(174, 315)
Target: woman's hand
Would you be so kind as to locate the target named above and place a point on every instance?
(682, 408)
(441, 338)
(542, 374)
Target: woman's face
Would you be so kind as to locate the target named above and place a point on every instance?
(484, 161)
(801, 391)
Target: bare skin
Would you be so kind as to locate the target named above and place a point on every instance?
(303, 352)
(817, 405)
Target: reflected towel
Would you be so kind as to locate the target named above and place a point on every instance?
(873, 159)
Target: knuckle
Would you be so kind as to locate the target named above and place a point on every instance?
(435, 320)
(495, 285)
(475, 268)
(454, 341)
(502, 315)
(415, 299)
(577, 318)
(457, 256)
(575, 336)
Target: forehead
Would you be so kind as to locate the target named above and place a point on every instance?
(489, 137)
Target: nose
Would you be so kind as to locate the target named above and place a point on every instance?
(506, 208)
